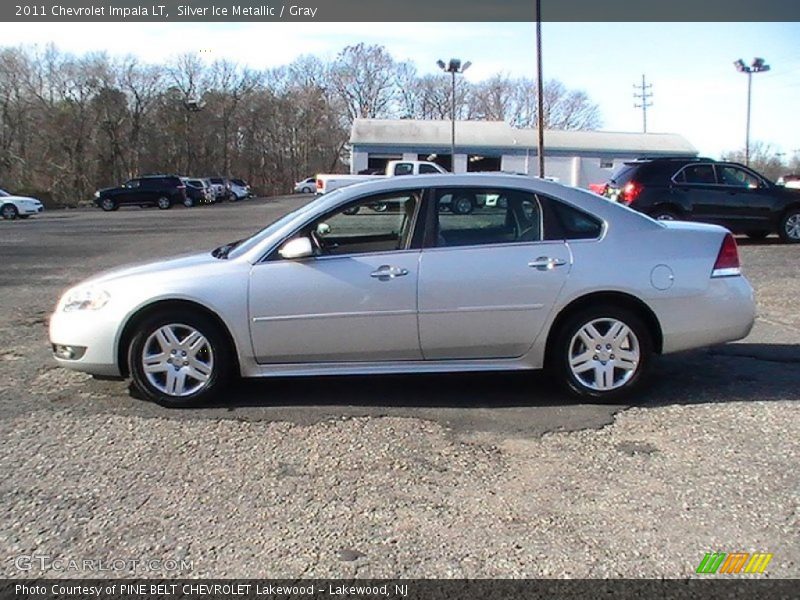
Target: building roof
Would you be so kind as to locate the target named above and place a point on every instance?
(498, 134)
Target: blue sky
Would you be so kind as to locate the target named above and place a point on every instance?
(696, 90)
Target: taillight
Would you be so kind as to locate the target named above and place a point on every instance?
(319, 185)
(630, 192)
(728, 259)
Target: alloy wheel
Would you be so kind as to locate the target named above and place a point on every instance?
(177, 360)
(792, 226)
(604, 354)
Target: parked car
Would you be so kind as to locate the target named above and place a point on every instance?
(12, 206)
(221, 188)
(240, 189)
(306, 186)
(701, 189)
(197, 192)
(162, 191)
(534, 281)
(326, 183)
(789, 181)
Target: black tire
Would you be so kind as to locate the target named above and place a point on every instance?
(567, 341)
(164, 203)
(9, 212)
(463, 204)
(188, 202)
(788, 228)
(108, 204)
(757, 235)
(379, 207)
(664, 214)
(222, 358)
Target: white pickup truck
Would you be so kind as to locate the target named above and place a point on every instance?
(329, 182)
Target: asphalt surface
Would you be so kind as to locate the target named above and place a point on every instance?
(501, 452)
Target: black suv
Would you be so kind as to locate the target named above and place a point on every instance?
(701, 189)
(152, 190)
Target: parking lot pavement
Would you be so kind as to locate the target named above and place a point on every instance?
(440, 476)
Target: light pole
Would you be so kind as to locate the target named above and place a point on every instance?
(539, 89)
(757, 66)
(453, 67)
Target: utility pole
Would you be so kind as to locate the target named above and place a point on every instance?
(644, 96)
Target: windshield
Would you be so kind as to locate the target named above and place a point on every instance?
(239, 247)
(4, 193)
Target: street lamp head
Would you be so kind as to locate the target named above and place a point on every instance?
(454, 66)
(740, 66)
(441, 64)
(465, 66)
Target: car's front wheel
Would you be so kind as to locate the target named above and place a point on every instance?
(9, 212)
(180, 359)
(602, 353)
(188, 202)
(107, 204)
(789, 229)
(164, 203)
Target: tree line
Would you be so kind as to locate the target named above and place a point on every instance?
(70, 124)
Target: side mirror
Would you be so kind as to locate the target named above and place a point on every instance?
(297, 248)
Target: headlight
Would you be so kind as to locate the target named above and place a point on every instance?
(84, 299)
(97, 194)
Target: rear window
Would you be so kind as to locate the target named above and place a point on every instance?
(624, 173)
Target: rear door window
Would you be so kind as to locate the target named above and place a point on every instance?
(496, 217)
(697, 175)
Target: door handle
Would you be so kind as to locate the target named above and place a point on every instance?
(545, 263)
(387, 272)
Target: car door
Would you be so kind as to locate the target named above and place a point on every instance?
(129, 192)
(487, 280)
(697, 184)
(356, 300)
(748, 198)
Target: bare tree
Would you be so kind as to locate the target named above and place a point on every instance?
(363, 79)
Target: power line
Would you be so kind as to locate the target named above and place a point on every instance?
(644, 96)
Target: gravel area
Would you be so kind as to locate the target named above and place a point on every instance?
(466, 476)
(390, 497)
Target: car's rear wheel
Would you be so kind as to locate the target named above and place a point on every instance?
(462, 205)
(188, 202)
(663, 214)
(757, 235)
(164, 203)
(602, 353)
(107, 204)
(179, 359)
(789, 229)
(9, 212)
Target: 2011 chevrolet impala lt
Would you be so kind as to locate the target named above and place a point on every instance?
(536, 275)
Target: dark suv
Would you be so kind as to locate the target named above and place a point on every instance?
(701, 189)
(152, 190)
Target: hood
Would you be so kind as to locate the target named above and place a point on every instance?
(170, 266)
(21, 199)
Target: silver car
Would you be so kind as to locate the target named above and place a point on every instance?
(542, 276)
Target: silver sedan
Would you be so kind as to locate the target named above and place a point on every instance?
(536, 275)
